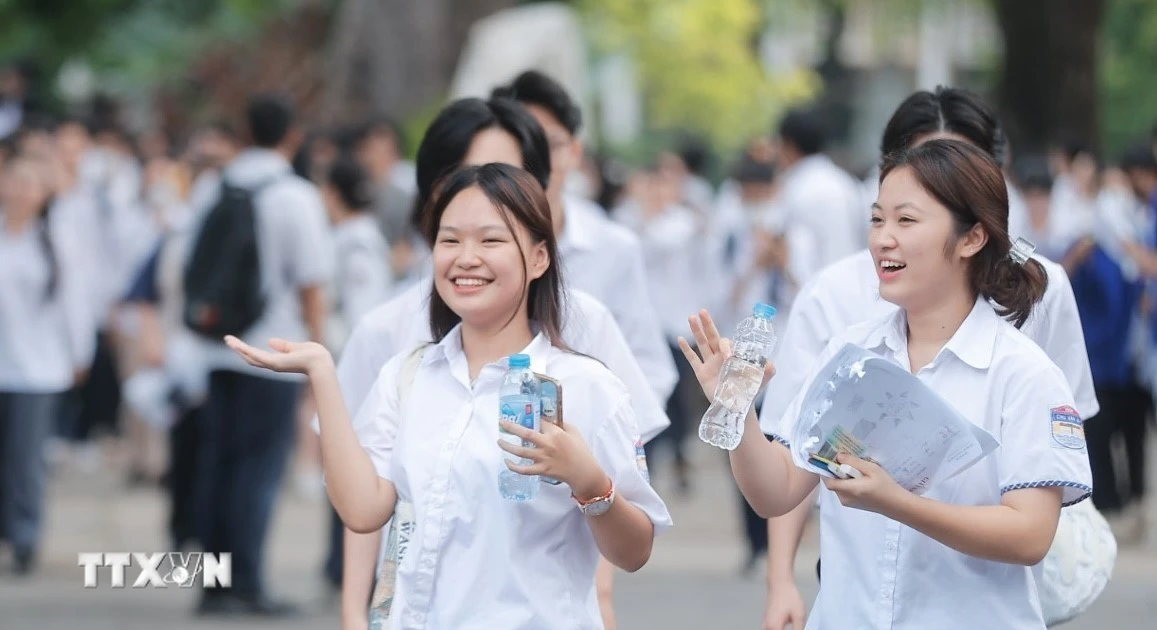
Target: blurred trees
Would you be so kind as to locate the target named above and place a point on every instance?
(396, 56)
(697, 64)
(1128, 89)
(1049, 85)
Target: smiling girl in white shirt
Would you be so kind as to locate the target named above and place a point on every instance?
(477, 560)
(966, 554)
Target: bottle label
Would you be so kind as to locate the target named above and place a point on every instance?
(518, 410)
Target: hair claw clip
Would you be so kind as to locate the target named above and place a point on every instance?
(1021, 251)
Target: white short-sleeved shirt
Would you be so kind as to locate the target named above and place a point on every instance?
(477, 560)
(848, 292)
(362, 278)
(404, 323)
(887, 575)
(295, 251)
(605, 260)
(825, 200)
(44, 338)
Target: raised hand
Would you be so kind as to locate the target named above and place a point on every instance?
(713, 351)
(287, 356)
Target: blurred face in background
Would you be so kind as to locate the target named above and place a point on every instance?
(566, 151)
(1037, 201)
(72, 141)
(1143, 182)
(378, 152)
(212, 148)
(24, 189)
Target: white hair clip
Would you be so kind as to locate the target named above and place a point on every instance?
(1021, 251)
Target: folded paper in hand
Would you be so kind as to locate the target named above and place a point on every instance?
(865, 405)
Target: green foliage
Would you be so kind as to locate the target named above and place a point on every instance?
(698, 65)
(1128, 76)
(134, 42)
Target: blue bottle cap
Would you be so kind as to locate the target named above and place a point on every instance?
(764, 311)
(519, 361)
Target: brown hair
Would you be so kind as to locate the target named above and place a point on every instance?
(968, 182)
(520, 198)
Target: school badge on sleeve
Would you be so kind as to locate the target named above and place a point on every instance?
(641, 460)
(1067, 428)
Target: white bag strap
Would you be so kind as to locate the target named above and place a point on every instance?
(401, 527)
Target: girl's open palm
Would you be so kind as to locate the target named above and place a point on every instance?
(714, 351)
(287, 356)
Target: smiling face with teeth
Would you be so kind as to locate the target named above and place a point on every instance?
(920, 257)
(484, 261)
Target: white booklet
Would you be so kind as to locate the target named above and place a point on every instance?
(867, 406)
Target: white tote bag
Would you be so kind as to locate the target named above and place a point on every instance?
(1079, 563)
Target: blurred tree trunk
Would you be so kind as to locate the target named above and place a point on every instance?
(396, 56)
(1049, 86)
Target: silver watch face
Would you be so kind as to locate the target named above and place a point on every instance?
(598, 508)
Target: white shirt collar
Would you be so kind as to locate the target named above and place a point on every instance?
(450, 351)
(972, 343)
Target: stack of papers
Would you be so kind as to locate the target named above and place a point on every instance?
(867, 406)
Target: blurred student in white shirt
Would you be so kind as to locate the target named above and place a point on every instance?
(496, 292)
(601, 258)
(667, 232)
(815, 194)
(362, 272)
(46, 345)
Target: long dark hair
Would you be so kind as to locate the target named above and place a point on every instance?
(947, 109)
(44, 231)
(969, 182)
(43, 223)
(521, 199)
(448, 139)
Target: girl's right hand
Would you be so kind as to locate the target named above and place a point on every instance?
(294, 357)
(713, 353)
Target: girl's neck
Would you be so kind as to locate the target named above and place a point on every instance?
(342, 216)
(15, 222)
(930, 328)
(484, 345)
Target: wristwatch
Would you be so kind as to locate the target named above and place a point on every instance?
(598, 505)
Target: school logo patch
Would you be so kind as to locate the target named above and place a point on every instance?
(1067, 428)
(641, 460)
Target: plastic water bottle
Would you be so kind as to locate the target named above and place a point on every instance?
(739, 380)
(518, 402)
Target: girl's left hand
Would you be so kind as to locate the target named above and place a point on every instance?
(561, 453)
(874, 491)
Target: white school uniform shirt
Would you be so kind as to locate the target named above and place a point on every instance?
(848, 292)
(824, 199)
(43, 340)
(403, 323)
(363, 279)
(477, 560)
(605, 260)
(671, 254)
(295, 251)
(890, 576)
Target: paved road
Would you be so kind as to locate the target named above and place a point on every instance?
(691, 582)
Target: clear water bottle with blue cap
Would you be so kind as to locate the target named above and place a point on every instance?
(518, 402)
(739, 380)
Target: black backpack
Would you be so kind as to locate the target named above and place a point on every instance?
(223, 293)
